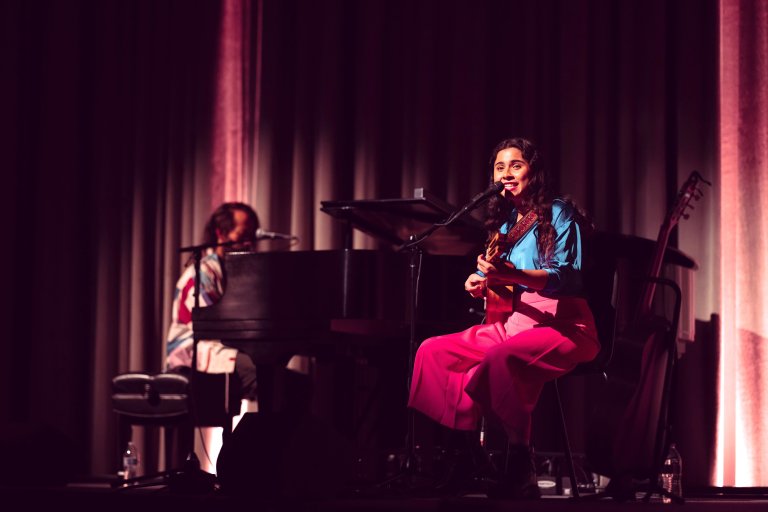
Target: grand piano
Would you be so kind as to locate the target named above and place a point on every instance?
(279, 304)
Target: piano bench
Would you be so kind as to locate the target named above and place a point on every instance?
(159, 400)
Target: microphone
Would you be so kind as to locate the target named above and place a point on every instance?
(493, 188)
(271, 235)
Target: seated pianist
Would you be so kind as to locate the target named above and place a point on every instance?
(236, 224)
(231, 222)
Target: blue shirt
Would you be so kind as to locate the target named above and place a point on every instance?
(564, 268)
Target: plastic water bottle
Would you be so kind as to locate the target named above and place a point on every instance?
(130, 461)
(672, 474)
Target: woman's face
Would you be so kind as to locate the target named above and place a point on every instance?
(513, 171)
(242, 232)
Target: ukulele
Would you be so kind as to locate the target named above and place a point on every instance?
(499, 300)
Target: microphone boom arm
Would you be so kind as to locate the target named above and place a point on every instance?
(494, 188)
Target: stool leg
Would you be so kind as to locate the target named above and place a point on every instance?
(170, 435)
(125, 434)
(186, 434)
(566, 444)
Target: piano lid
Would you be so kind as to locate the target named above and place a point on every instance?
(395, 220)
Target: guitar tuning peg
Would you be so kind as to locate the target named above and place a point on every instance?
(689, 205)
(686, 216)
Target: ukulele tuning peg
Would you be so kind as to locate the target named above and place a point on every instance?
(686, 216)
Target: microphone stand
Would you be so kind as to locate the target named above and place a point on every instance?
(197, 255)
(409, 466)
(191, 479)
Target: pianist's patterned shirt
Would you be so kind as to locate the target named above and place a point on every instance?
(212, 356)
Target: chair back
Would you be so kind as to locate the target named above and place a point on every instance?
(601, 285)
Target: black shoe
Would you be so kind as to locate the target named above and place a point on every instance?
(517, 481)
(621, 488)
(461, 474)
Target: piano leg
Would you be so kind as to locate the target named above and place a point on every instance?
(265, 385)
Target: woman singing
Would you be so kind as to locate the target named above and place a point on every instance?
(497, 369)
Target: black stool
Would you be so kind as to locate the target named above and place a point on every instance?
(159, 400)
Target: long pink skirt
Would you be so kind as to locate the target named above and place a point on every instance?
(498, 370)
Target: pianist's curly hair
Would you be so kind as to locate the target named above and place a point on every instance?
(223, 220)
(538, 198)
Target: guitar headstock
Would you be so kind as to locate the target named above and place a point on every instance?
(690, 191)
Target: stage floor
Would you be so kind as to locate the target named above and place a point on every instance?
(99, 495)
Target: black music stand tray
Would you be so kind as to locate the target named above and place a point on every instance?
(394, 221)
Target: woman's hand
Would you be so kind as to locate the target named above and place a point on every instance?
(505, 273)
(488, 268)
(485, 266)
(475, 285)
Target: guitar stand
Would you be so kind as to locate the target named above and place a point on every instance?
(657, 489)
(627, 490)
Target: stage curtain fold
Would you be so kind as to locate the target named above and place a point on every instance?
(743, 150)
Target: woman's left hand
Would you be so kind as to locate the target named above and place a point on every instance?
(485, 266)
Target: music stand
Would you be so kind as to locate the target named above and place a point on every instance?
(408, 224)
(394, 221)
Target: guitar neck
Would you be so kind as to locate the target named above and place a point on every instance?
(655, 270)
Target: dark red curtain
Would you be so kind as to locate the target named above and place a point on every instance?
(105, 127)
(124, 122)
(743, 96)
(373, 99)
